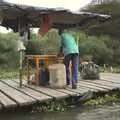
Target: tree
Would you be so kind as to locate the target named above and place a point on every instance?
(109, 28)
(97, 49)
(8, 50)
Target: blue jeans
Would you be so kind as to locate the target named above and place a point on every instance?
(74, 58)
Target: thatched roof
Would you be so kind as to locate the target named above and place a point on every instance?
(11, 13)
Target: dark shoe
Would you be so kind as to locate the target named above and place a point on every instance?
(68, 83)
(74, 86)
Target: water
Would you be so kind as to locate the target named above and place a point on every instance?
(102, 113)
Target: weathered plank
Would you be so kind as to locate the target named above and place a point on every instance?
(87, 85)
(48, 91)
(30, 92)
(70, 93)
(110, 74)
(88, 88)
(107, 83)
(11, 95)
(78, 90)
(16, 95)
(111, 79)
(114, 76)
(7, 102)
(78, 87)
(96, 85)
(45, 90)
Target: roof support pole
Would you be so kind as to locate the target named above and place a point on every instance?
(21, 67)
(21, 49)
(20, 56)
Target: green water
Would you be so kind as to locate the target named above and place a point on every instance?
(111, 112)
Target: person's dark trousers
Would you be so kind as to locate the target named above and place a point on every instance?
(74, 58)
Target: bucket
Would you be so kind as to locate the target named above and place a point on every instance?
(57, 75)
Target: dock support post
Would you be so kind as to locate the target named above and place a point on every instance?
(21, 49)
(21, 67)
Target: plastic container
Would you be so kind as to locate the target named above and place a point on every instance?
(57, 75)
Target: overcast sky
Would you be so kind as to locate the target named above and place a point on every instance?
(70, 4)
(73, 5)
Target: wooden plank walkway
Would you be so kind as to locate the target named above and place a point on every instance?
(12, 96)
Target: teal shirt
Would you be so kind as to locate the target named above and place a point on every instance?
(68, 44)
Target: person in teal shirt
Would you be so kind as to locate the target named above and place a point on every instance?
(71, 52)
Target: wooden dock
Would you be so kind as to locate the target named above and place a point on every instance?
(12, 96)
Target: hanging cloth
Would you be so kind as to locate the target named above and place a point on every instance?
(45, 25)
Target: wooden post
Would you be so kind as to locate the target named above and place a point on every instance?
(21, 49)
(21, 67)
(28, 71)
(37, 70)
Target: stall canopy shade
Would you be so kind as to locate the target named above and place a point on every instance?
(11, 14)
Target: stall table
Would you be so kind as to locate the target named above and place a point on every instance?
(48, 59)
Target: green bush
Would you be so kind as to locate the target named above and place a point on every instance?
(8, 50)
(48, 44)
(101, 50)
(9, 74)
(95, 47)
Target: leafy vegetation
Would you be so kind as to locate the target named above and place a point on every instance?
(49, 44)
(109, 28)
(98, 41)
(8, 50)
(99, 49)
(111, 97)
(8, 73)
(98, 99)
(50, 106)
